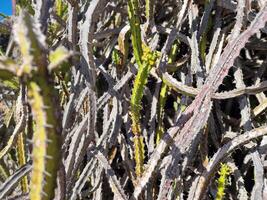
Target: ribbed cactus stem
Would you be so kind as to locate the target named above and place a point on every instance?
(149, 60)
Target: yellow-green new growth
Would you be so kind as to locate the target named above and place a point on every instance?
(224, 172)
(39, 139)
(148, 61)
(22, 160)
(133, 10)
(61, 8)
(139, 154)
(116, 59)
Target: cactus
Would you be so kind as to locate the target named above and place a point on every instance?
(224, 172)
(22, 160)
(162, 102)
(61, 8)
(163, 96)
(44, 100)
(149, 60)
(133, 11)
(21, 154)
(118, 120)
(145, 60)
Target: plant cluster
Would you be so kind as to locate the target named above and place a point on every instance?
(137, 99)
